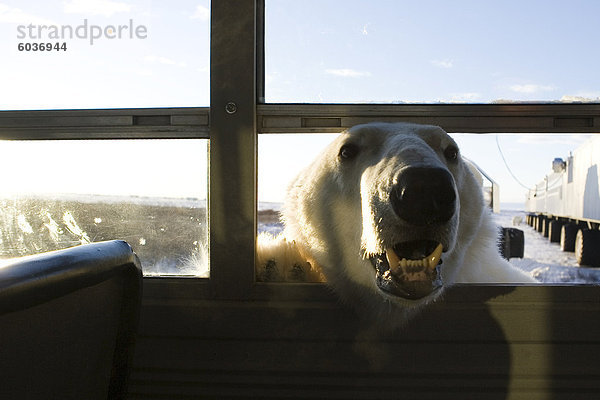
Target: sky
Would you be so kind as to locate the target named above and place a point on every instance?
(167, 68)
(429, 51)
(470, 51)
(148, 168)
(316, 51)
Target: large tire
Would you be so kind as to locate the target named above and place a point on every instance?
(539, 226)
(530, 219)
(517, 243)
(587, 247)
(546, 226)
(568, 232)
(512, 243)
(554, 231)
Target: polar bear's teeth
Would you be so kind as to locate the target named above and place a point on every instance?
(430, 262)
(392, 259)
(434, 258)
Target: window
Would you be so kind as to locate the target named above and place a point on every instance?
(511, 165)
(104, 54)
(430, 52)
(151, 193)
(281, 82)
(459, 66)
(88, 68)
(570, 169)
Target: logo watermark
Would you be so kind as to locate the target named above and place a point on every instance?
(85, 31)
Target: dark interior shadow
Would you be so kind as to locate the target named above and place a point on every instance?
(453, 348)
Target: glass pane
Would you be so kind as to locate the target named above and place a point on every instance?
(104, 54)
(150, 193)
(522, 166)
(433, 51)
(273, 182)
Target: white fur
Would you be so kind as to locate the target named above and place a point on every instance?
(278, 259)
(338, 213)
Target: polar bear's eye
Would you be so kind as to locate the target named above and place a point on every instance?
(451, 153)
(348, 151)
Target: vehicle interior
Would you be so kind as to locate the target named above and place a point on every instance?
(228, 336)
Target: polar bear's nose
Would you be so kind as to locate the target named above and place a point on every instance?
(424, 196)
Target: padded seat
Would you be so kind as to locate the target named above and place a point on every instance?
(68, 320)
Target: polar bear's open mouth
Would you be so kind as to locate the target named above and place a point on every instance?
(409, 269)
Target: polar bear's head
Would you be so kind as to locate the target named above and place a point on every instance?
(386, 211)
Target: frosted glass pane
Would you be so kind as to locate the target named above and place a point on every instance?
(104, 54)
(150, 193)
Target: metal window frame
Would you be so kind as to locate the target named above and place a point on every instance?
(236, 116)
(127, 123)
(463, 118)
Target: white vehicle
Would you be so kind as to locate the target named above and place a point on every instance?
(565, 206)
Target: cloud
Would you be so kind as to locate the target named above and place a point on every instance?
(144, 72)
(202, 13)
(95, 7)
(164, 60)
(588, 98)
(347, 73)
(13, 15)
(364, 29)
(573, 140)
(531, 88)
(464, 97)
(442, 63)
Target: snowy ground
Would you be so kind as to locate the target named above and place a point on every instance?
(544, 260)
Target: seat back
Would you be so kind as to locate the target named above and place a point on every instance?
(68, 321)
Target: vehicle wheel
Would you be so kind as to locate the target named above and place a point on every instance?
(554, 231)
(587, 247)
(517, 243)
(567, 237)
(539, 226)
(546, 226)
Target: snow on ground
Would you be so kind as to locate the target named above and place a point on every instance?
(544, 260)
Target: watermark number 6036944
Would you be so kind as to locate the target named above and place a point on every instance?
(35, 46)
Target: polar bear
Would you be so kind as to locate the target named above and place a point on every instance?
(391, 215)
